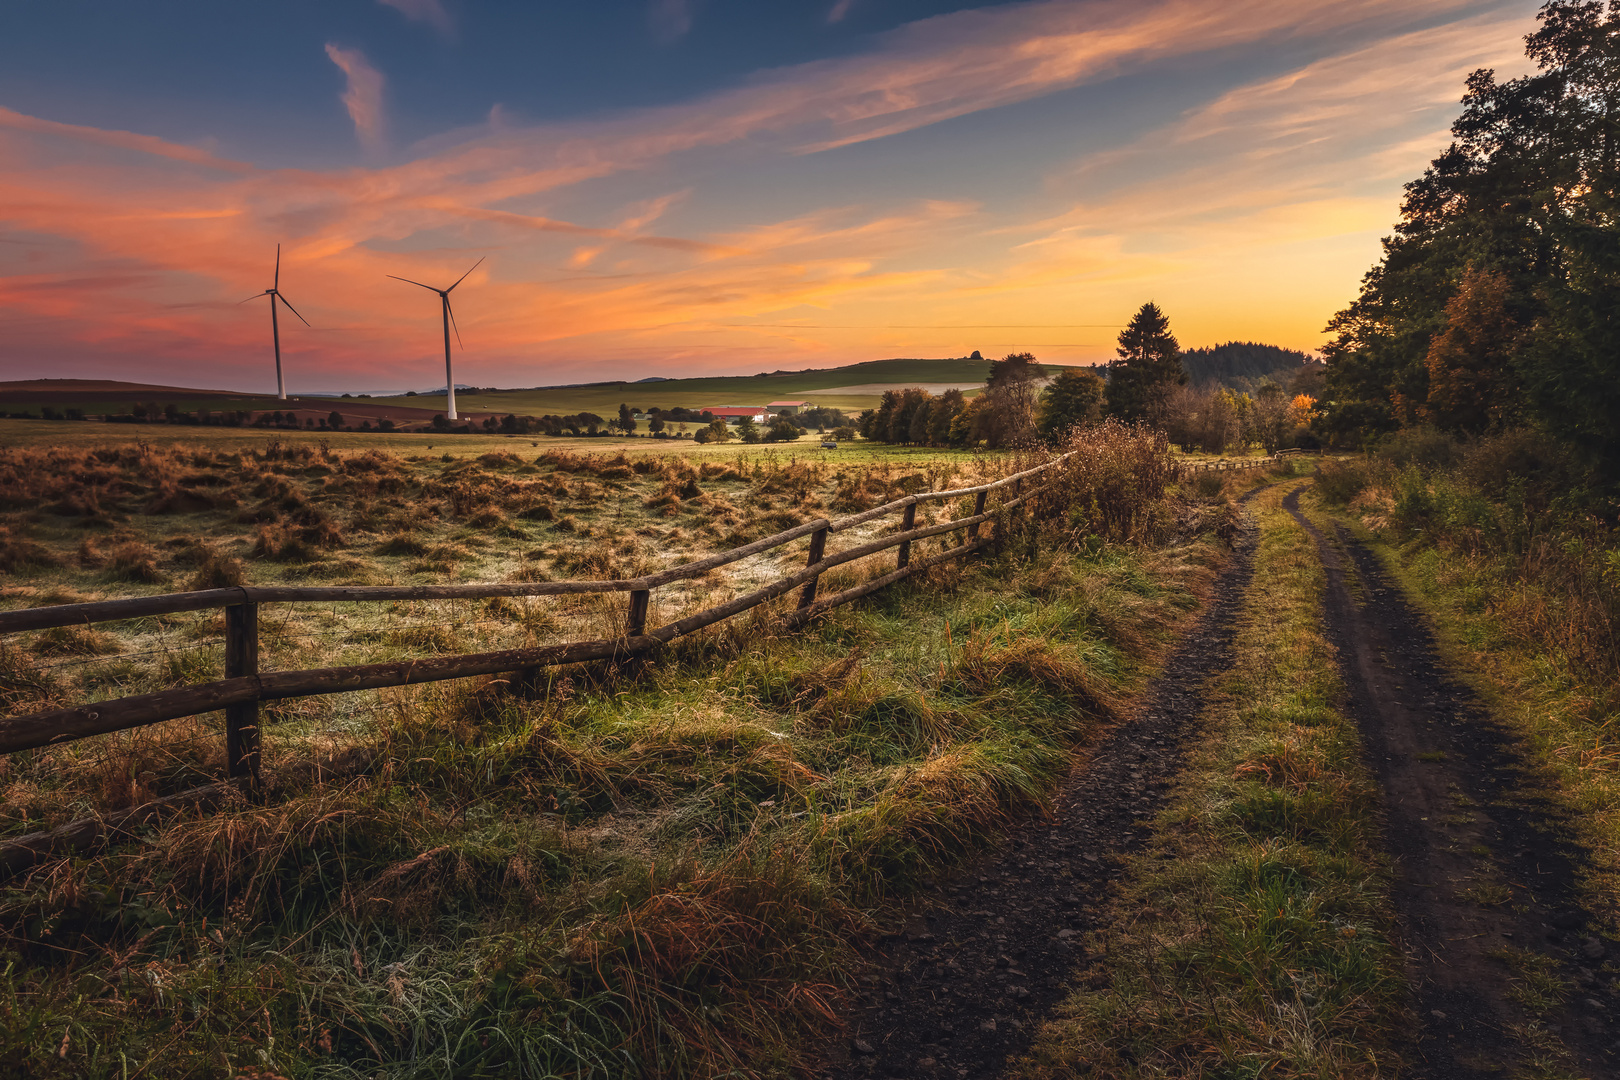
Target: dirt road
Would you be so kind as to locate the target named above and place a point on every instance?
(1505, 976)
(1484, 882)
(964, 987)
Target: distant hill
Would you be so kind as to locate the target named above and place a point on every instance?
(1244, 365)
(852, 388)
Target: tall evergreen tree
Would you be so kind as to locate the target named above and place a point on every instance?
(1147, 368)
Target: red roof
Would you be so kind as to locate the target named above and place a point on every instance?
(734, 410)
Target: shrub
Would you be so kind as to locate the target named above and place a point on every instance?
(1112, 486)
(1338, 482)
(1424, 447)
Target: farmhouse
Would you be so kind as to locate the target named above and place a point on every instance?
(787, 406)
(733, 414)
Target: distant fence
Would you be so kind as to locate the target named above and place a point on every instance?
(245, 686)
(1232, 465)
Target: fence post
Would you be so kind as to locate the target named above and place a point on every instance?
(242, 720)
(636, 624)
(907, 523)
(818, 548)
(978, 508)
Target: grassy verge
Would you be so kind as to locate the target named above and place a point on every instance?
(1562, 709)
(665, 869)
(1251, 939)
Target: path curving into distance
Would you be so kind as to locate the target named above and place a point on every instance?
(1484, 883)
(966, 985)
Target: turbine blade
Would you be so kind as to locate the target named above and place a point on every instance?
(255, 296)
(463, 277)
(452, 313)
(408, 281)
(290, 308)
(276, 284)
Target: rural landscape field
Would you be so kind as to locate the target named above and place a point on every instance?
(949, 541)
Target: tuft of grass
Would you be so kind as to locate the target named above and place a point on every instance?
(75, 641)
(133, 561)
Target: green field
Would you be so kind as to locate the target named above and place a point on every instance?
(71, 435)
(851, 388)
(604, 398)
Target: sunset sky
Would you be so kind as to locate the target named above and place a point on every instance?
(670, 187)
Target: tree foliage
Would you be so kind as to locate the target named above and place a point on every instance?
(1497, 300)
(1073, 399)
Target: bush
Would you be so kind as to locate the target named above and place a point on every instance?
(1338, 482)
(1426, 448)
(1113, 484)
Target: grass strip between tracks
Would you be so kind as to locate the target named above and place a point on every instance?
(1251, 936)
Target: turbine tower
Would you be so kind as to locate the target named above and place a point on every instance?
(449, 321)
(274, 293)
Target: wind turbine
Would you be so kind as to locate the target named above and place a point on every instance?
(449, 321)
(274, 293)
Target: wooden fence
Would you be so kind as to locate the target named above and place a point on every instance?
(1237, 464)
(245, 686)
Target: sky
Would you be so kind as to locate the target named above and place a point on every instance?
(695, 187)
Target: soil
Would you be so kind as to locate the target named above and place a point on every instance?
(966, 983)
(1484, 873)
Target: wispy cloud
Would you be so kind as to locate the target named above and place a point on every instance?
(839, 10)
(1266, 199)
(431, 12)
(669, 20)
(363, 97)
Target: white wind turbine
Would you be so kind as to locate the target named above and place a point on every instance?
(274, 293)
(449, 321)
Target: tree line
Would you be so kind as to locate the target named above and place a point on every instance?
(1496, 304)
(1146, 382)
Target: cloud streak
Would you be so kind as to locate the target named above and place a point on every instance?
(431, 12)
(363, 97)
(1242, 181)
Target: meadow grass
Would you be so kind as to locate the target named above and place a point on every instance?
(1251, 936)
(667, 867)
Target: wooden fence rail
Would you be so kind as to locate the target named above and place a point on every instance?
(244, 686)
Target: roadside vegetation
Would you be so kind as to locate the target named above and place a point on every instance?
(1251, 938)
(665, 868)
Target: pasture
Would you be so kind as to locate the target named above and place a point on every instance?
(660, 867)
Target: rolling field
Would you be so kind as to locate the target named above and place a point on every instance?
(852, 388)
(662, 869)
(37, 434)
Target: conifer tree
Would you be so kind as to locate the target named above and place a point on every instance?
(1148, 367)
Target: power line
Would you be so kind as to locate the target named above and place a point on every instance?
(909, 326)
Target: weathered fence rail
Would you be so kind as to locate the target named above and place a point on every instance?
(1239, 464)
(244, 686)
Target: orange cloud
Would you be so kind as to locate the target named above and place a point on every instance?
(158, 240)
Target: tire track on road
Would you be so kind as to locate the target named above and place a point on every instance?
(1484, 886)
(966, 984)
